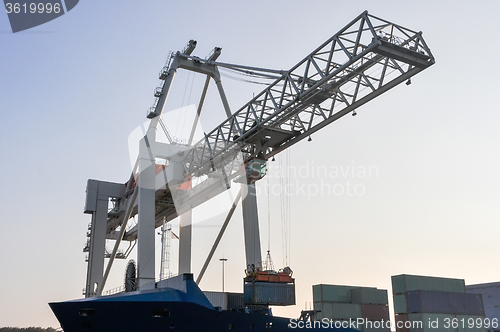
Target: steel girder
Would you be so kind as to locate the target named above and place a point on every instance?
(363, 60)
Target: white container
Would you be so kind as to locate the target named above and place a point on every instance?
(217, 299)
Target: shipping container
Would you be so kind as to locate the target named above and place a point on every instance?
(338, 311)
(405, 283)
(217, 299)
(430, 322)
(491, 298)
(269, 293)
(472, 323)
(375, 312)
(439, 322)
(332, 293)
(318, 306)
(338, 322)
(346, 323)
(364, 295)
(235, 301)
(400, 321)
(383, 328)
(400, 304)
(444, 303)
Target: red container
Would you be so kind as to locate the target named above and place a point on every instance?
(375, 312)
(400, 321)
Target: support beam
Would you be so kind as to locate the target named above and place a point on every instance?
(123, 227)
(146, 222)
(221, 92)
(198, 111)
(95, 267)
(251, 226)
(185, 226)
(97, 198)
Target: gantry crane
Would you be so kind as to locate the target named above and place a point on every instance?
(366, 58)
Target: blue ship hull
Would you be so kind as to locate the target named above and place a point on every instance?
(183, 308)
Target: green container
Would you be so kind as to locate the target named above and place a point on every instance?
(318, 306)
(331, 293)
(405, 283)
(464, 326)
(338, 311)
(342, 310)
(365, 295)
(400, 304)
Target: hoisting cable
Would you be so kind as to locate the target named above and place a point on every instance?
(248, 76)
(283, 193)
(288, 207)
(242, 79)
(182, 104)
(268, 216)
(251, 73)
(188, 101)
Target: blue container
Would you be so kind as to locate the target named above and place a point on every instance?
(444, 303)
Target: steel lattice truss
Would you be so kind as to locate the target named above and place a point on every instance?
(363, 60)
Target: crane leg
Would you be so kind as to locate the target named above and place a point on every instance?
(96, 203)
(251, 226)
(146, 222)
(185, 242)
(95, 266)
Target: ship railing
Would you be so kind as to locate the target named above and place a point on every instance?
(116, 290)
(121, 288)
(166, 276)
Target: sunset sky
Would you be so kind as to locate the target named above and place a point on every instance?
(422, 161)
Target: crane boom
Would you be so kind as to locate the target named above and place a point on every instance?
(363, 60)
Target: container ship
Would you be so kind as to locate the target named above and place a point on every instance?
(366, 58)
(175, 304)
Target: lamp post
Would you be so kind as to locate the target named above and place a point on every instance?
(223, 260)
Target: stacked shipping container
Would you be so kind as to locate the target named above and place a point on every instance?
(269, 293)
(435, 304)
(344, 303)
(226, 300)
(491, 301)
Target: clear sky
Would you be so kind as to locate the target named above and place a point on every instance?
(74, 89)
